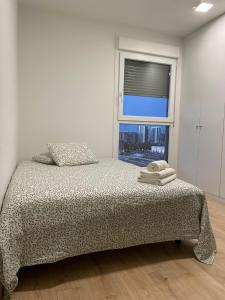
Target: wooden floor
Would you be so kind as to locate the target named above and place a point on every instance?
(157, 272)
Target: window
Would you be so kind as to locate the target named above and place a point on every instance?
(141, 144)
(146, 107)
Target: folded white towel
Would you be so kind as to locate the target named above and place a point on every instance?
(160, 182)
(157, 175)
(157, 166)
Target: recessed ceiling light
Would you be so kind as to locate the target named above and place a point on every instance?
(203, 7)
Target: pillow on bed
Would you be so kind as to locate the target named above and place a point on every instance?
(44, 158)
(71, 154)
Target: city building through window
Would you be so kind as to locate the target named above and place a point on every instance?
(142, 144)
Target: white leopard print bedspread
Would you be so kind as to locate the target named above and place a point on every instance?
(50, 213)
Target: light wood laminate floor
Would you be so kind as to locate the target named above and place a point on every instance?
(160, 271)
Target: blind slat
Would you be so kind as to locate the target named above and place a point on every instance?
(146, 79)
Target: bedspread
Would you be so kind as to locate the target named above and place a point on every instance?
(50, 213)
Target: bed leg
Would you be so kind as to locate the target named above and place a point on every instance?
(178, 242)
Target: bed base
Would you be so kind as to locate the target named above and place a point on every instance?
(1, 291)
(178, 242)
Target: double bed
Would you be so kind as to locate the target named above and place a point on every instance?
(50, 213)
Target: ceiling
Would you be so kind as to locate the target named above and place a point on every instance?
(174, 17)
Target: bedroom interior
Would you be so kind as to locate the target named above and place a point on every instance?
(112, 152)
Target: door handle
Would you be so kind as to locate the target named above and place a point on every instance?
(199, 126)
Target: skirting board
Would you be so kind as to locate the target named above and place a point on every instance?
(220, 199)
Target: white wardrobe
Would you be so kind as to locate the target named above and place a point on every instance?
(202, 140)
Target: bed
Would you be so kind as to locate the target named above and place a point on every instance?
(50, 213)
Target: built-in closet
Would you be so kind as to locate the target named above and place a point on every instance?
(202, 140)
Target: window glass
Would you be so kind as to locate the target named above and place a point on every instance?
(145, 106)
(141, 144)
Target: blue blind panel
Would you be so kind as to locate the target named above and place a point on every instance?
(145, 106)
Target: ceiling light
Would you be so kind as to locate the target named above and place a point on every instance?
(203, 7)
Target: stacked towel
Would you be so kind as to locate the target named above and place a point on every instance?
(157, 166)
(161, 175)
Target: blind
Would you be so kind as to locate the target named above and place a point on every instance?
(146, 79)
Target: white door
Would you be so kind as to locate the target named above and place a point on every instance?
(210, 146)
(189, 139)
(212, 93)
(190, 115)
(222, 180)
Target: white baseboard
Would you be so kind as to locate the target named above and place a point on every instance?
(220, 199)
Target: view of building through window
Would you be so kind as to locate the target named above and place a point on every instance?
(141, 144)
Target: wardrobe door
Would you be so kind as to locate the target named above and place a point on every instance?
(210, 145)
(222, 180)
(190, 114)
(212, 89)
(189, 134)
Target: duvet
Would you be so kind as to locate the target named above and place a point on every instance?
(50, 213)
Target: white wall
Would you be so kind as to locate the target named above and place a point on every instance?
(203, 98)
(8, 106)
(66, 79)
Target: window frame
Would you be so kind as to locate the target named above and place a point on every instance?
(147, 58)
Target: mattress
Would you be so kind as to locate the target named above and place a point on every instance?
(50, 213)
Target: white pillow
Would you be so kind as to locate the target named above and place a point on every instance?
(44, 158)
(71, 154)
